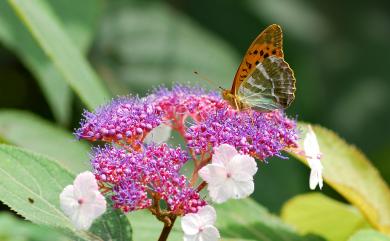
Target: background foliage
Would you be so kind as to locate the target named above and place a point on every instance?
(337, 49)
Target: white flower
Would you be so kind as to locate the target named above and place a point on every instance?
(200, 226)
(230, 174)
(159, 134)
(82, 202)
(313, 155)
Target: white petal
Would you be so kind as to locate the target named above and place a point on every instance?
(159, 134)
(223, 154)
(68, 202)
(223, 192)
(188, 237)
(243, 189)
(242, 167)
(85, 184)
(207, 215)
(315, 173)
(310, 144)
(190, 224)
(313, 154)
(81, 220)
(213, 174)
(209, 233)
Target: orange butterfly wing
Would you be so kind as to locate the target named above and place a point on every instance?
(267, 43)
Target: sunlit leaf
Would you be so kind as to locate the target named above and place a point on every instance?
(247, 219)
(369, 235)
(318, 214)
(351, 174)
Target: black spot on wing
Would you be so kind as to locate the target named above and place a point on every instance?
(249, 65)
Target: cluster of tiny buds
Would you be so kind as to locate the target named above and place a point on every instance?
(259, 134)
(125, 119)
(153, 170)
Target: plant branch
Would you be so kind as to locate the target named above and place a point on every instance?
(167, 229)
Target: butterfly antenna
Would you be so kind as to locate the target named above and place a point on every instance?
(205, 78)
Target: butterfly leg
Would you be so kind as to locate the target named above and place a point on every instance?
(237, 107)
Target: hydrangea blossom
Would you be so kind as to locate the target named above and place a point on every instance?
(200, 226)
(139, 171)
(82, 202)
(230, 175)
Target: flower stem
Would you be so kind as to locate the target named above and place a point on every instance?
(166, 230)
(201, 186)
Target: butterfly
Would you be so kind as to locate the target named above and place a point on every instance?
(263, 81)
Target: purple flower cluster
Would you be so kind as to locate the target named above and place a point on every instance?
(135, 177)
(138, 176)
(259, 134)
(126, 119)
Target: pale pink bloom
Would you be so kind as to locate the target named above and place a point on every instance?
(230, 174)
(200, 226)
(82, 202)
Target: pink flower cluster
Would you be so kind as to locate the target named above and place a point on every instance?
(184, 101)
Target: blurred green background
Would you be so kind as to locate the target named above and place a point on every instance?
(338, 49)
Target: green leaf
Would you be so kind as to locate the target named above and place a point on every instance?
(369, 235)
(143, 51)
(113, 225)
(62, 52)
(12, 229)
(249, 220)
(30, 131)
(350, 173)
(147, 227)
(31, 185)
(236, 220)
(318, 214)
